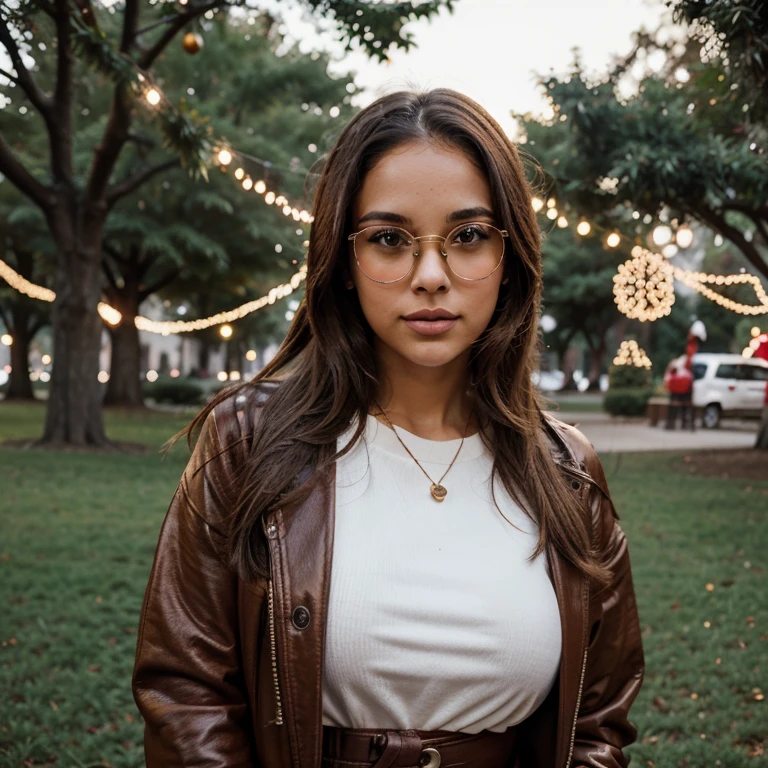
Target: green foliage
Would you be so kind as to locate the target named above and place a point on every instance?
(739, 30)
(175, 391)
(628, 376)
(626, 402)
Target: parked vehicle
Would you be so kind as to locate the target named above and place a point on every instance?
(728, 385)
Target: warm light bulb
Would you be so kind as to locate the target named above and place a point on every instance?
(250, 355)
(260, 187)
(684, 236)
(6, 339)
(662, 234)
(537, 204)
(152, 96)
(584, 228)
(613, 240)
(239, 174)
(225, 331)
(562, 222)
(225, 157)
(552, 213)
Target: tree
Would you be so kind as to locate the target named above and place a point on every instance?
(578, 294)
(78, 191)
(27, 250)
(219, 229)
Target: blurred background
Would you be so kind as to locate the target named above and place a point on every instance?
(157, 162)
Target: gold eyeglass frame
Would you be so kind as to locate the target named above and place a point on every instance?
(433, 239)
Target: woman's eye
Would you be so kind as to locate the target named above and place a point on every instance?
(388, 239)
(469, 235)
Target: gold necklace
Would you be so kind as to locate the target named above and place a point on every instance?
(438, 490)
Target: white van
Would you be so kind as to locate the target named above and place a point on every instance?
(728, 385)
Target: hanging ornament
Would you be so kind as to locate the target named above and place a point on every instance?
(644, 286)
(192, 42)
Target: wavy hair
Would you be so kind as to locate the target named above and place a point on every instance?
(326, 365)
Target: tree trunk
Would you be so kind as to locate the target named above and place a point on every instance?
(762, 435)
(596, 357)
(124, 386)
(203, 358)
(74, 414)
(20, 386)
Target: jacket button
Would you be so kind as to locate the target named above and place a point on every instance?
(300, 617)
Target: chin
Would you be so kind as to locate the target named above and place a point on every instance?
(433, 355)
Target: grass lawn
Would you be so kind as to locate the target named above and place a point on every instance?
(77, 534)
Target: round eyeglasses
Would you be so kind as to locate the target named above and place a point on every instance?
(387, 254)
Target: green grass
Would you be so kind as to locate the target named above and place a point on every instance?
(77, 534)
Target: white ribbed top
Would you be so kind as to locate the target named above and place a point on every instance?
(436, 620)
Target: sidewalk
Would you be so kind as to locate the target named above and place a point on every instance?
(616, 435)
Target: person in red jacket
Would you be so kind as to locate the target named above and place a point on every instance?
(678, 380)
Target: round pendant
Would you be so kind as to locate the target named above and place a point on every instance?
(439, 492)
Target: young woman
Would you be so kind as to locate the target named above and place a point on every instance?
(382, 552)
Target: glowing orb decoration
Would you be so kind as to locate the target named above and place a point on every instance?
(192, 42)
(644, 286)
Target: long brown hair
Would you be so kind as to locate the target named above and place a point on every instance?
(326, 364)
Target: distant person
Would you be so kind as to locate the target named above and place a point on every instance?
(383, 552)
(679, 383)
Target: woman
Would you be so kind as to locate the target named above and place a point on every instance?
(339, 580)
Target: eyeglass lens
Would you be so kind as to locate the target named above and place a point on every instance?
(384, 253)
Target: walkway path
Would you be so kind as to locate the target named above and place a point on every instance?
(610, 435)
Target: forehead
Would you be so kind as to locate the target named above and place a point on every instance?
(420, 175)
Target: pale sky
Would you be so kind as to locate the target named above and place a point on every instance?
(490, 49)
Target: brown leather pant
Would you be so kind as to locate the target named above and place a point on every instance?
(385, 748)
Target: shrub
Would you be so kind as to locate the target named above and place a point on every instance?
(626, 402)
(175, 391)
(628, 377)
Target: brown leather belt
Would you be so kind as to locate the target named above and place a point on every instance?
(386, 748)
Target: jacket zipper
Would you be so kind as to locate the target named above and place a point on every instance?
(273, 653)
(270, 532)
(578, 706)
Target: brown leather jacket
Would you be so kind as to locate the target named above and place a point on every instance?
(228, 673)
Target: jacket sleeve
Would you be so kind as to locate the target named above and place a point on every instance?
(187, 680)
(615, 662)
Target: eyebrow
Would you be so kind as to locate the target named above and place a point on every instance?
(397, 218)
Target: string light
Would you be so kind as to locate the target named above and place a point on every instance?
(562, 222)
(696, 280)
(630, 353)
(113, 317)
(584, 228)
(552, 213)
(537, 204)
(643, 287)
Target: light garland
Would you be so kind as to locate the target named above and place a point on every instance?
(698, 281)
(630, 353)
(113, 316)
(643, 287)
(225, 156)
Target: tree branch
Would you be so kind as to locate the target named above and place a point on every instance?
(9, 76)
(61, 130)
(130, 21)
(110, 275)
(26, 81)
(160, 283)
(132, 183)
(22, 179)
(148, 57)
(750, 251)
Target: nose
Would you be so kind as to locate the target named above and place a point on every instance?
(430, 272)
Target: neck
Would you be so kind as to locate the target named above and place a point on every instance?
(431, 402)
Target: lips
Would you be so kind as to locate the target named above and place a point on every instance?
(431, 322)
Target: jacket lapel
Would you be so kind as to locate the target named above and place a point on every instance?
(301, 570)
(572, 599)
